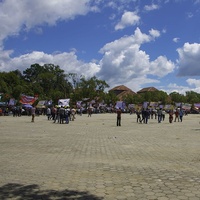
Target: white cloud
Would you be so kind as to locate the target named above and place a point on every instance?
(154, 33)
(190, 15)
(176, 39)
(189, 59)
(173, 87)
(128, 19)
(193, 85)
(151, 7)
(161, 66)
(197, 1)
(124, 60)
(67, 61)
(15, 17)
(195, 82)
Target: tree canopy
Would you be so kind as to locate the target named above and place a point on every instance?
(50, 82)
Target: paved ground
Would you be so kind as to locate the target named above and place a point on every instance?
(91, 158)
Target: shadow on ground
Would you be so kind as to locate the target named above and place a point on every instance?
(33, 192)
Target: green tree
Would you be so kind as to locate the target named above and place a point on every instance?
(176, 97)
(110, 98)
(92, 87)
(47, 80)
(192, 97)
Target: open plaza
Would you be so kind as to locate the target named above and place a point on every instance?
(92, 158)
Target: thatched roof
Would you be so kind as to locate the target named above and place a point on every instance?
(122, 91)
(121, 87)
(147, 89)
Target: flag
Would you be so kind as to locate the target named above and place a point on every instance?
(27, 99)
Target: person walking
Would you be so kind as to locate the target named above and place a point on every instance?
(119, 112)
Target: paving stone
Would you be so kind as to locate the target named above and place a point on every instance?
(88, 160)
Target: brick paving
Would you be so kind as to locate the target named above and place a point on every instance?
(92, 158)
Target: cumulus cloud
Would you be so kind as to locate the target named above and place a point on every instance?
(124, 60)
(128, 19)
(67, 61)
(154, 33)
(25, 15)
(193, 85)
(189, 59)
(195, 82)
(173, 87)
(161, 66)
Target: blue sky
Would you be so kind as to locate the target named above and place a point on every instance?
(137, 43)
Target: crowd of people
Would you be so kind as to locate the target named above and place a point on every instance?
(146, 114)
(65, 114)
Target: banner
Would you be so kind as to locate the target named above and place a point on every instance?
(27, 99)
(78, 104)
(12, 102)
(145, 105)
(120, 104)
(186, 106)
(63, 102)
(153, 104)
(41, 104)
(197, 105)
(178, 104)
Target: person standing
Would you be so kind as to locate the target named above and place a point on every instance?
(170, 116)
(163, 115)
(146, 116)
(66, 115)
(89, 111)
(119, 112)
(143, 116)
(53, 112)
(48, 113)
(138, 116)
(181, 115)
(33, 113)
(159, 115)
(73, 113)
(176, 115)
(61, 114)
